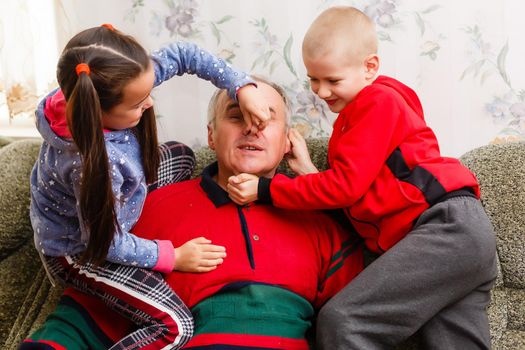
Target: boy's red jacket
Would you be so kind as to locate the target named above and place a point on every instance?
(385, 167)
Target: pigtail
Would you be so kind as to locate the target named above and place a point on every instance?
(97, 204)
(146, 132)
(104, 62)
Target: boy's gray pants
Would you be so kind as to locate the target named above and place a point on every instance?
(436, 280)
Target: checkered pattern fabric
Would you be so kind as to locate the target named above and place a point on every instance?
(176, 164)
(139, 294)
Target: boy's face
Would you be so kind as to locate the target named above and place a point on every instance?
(334, 79)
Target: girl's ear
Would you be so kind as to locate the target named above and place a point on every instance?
(371, 66)
(211, 144)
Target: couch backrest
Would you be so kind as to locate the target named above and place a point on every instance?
(500, 170)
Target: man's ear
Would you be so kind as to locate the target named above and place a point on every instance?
(211, 144)
(288, 146)
(371, 66)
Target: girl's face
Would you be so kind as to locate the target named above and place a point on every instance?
(136, 99)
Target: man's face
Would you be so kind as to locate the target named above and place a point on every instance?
(238, 152)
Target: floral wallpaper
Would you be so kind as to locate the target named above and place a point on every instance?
(462, 58)
(507, 106)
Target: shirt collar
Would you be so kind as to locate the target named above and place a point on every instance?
(216, 194)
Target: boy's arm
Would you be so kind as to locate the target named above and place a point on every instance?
(357, 159)
(299, 158)
(183, 57)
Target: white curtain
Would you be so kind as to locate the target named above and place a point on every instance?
(463, 58)
(28, 55)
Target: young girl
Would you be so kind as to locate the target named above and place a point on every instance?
(89, 184)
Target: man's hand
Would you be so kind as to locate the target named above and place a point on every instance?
(242, 188)
(254, 108)
(198, 255)
(299, 159)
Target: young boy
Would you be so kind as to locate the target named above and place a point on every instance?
(419, 210)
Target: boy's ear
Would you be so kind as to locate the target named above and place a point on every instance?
(211, 144)
(371, 66)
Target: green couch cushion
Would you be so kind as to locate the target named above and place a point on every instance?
(16, 162)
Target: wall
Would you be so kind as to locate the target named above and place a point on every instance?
(462, 57)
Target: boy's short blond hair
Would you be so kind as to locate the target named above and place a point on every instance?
(342, 29)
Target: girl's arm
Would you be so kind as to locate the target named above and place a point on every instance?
(180, 58)
(198, 255)
(183, 57)
(127, 248)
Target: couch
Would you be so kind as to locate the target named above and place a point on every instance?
(26, 296)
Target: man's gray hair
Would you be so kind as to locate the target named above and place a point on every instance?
(215, 97)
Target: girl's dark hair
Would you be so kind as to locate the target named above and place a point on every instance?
(114, 60)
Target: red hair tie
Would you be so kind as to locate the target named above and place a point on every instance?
(109, 26)
(82, 68)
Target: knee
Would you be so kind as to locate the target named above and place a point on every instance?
(483, 249)
(188, 328)
(326, 319)
(177, 149)
(177, 161)
(180, 328)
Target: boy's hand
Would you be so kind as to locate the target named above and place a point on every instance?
(253, 107)
(299, 159)
(198, 255)
(242, 188)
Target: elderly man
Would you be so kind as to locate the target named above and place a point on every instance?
(280, 266)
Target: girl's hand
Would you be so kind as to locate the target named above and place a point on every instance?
(253, 107)
(198, 255)
(242, 188)
(299, 158)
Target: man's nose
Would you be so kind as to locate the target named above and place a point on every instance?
(251, 132)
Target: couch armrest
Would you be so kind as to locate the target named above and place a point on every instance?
(16, 161)
(19, 260)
